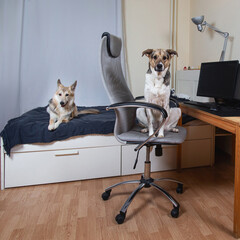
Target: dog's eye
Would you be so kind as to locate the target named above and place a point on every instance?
(67, 94)
(60, 94)
(164, 57)
(155, 57)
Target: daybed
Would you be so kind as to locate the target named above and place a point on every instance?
(84, 148)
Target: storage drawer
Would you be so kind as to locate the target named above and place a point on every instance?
(32, 168)
(197, 153)
(199, 132)
(167, 161)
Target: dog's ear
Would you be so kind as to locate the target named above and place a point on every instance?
(59, 83)
(147, 52)
(172, 52)
(73, 86)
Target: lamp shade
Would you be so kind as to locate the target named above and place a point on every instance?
(198, 21)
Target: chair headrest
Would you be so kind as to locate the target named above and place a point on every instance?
(114, 45)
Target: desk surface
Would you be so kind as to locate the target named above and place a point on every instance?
(231, 124)
(234, 119)
(226, 123)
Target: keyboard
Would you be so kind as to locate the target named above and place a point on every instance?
(223, 111)
(200, 104)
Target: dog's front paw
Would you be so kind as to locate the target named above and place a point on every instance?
(144, 130)
(151, 132)
(51, 127)
(176, 130)
(161, 133)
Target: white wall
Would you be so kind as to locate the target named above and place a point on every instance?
(183, 25)
(147, 25)
(207, 46)
(63, 42)
(10, 47)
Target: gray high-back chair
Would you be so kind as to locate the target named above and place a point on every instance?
(126, 128)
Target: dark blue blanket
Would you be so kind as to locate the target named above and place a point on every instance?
(32, 127)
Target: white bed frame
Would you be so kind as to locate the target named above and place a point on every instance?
(78, 158)
(96, 156)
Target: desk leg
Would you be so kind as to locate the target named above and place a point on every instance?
(236, 223)
(233, 148)
(179, 150)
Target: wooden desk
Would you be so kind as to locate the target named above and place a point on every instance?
(231, 124)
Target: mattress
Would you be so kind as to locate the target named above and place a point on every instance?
(32, 127)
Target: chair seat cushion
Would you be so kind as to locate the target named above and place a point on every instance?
(170, 138)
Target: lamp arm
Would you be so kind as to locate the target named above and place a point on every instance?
(224, 49)
(224, 34)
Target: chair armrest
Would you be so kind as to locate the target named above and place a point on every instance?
(139, 105)
(174, 101)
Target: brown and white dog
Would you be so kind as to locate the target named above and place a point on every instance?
(62, 108)
(157, 91)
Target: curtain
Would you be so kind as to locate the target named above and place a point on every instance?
(46, 40)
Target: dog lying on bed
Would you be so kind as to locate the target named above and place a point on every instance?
(62, 108)
(157, 91)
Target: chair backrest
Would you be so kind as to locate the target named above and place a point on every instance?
(115, 83)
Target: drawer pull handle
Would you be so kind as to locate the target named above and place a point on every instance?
(66, 154)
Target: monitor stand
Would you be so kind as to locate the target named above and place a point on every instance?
(216, 105)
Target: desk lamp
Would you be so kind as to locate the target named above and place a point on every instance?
(199, 21)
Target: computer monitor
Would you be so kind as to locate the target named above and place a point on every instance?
(237, 90)
(220, 80)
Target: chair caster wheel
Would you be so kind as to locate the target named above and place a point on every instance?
(106, 195)
(175, 212)
(120, 217)
(179, 188)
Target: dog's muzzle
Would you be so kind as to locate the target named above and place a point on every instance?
(62, 104)
(159, 67)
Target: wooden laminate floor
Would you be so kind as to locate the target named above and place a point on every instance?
(75, 210)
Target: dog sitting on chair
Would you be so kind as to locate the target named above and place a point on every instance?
(157, 91)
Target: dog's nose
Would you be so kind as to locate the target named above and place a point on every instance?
(159, 66)
(61, 103)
